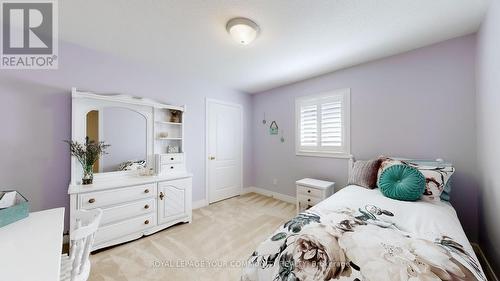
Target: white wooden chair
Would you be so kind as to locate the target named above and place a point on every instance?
(76, 265)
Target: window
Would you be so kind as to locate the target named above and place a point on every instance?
(323, 124)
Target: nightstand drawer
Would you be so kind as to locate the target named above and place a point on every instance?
(309, 191)
(305, 202)
(309, 200)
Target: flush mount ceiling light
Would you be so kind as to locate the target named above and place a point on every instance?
(243, 30)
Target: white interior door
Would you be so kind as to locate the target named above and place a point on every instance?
(224, 150)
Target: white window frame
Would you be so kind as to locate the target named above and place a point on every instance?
(318, 151)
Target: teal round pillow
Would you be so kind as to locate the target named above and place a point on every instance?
(402, 182)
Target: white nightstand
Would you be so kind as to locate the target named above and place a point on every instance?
(310, 192)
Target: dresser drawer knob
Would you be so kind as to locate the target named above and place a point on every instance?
(146, 222)
(308, 200)
(308, 191)
(171, 167)
(172, 158)
(146, 206)
(91, 200)
(146, 190)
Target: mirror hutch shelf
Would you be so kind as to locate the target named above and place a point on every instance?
(142, 184)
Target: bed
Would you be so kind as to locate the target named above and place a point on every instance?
(359, 234)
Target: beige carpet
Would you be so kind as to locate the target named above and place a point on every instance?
(220, 237)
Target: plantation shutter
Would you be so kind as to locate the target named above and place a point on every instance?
(331, 124)
(309, 125)
(322, 124)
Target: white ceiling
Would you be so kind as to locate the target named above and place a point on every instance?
(299, 38)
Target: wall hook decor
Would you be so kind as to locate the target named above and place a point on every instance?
(264, 120)
(282, 139)
(273, 129)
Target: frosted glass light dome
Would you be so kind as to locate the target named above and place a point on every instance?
(243, 30)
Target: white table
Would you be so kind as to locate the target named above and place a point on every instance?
(30, 249)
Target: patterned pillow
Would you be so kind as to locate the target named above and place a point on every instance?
(436, 178)
(364, 173)
(386, 162)
(132, 165)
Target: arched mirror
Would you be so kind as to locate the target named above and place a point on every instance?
(126, 131)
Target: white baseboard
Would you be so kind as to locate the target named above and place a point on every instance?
(265, 192)
(200, 204)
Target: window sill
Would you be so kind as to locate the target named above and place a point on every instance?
(340, 155)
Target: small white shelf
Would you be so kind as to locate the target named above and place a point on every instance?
(169, 123)
(169, 138)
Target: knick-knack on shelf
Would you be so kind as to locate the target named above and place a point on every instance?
(175, 116)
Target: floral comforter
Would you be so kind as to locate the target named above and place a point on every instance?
(358, 234)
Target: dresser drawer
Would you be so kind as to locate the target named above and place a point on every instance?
(312, 192)
(167, 168)
(116, 196)
(123, 228)
(171, 158)
(128, 210)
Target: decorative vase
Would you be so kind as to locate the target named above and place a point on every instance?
(88, 175)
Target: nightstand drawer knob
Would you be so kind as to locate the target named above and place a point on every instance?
(146, 206)
(91, 200)
(308, 191)
(146, 222)
(308, 200)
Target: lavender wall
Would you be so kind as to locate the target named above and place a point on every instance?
(418, 104)
(488, 116)
(35, 107)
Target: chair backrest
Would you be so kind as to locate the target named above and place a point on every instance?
(81, 241)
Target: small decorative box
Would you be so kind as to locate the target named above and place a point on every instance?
(18, 211)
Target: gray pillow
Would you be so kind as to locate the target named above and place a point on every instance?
(364, 173)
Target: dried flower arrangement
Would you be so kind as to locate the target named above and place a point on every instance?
(87, 154)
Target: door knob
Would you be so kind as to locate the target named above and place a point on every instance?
(211, 157)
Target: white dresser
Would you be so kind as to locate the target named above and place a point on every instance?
(145, 137)
(311, 191)
(134, 206)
